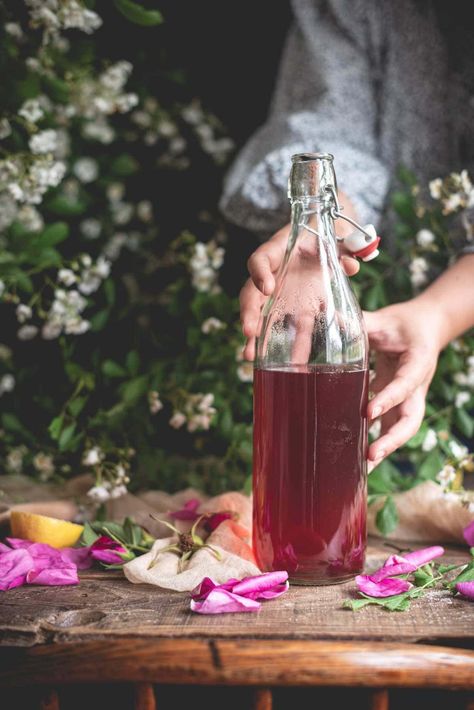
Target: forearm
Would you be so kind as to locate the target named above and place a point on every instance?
(449, 301)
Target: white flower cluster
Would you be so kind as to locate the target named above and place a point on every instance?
(154, 402)
(27, 180)
(56, 15)
(95, 99)
(455, 192)
(44, 464)
(85, 273)
(446, 476)
(197, 412)
(212, 325)
(465, 379)
(206, 129)
(14, 459)
(425, 239)
(64, 316)
(430, 440)
(205, 261)
(419, 268)
(245, 368)
(112, 480)
(7, 384)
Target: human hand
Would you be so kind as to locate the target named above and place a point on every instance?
(263, 265)
(406, 340)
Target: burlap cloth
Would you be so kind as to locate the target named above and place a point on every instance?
(426, 514)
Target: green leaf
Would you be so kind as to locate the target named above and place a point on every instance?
(138, 14)
(416, 441)
(384, 478)
(248, 485)
(134, 389)
(99, 320)
(76, 406)
(387, 517)
(133, 362)
(113, 369)
(10, 422)
(464, 421)
(375, 297)
(53, 234)
(403, 204)
(109, 290)
(431, 466)
(55, 427)
(66, 436)
(89, 536)
(124, 165)
(467, 575)
(65, 207)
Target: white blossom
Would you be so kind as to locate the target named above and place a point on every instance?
(44, 464)
(145, 211)
(90, 228)
(118, 491)
(15, 458)
(446, 476)
(27, 332)
(86, 169)
(14, 30)
(44, 141)
(65, 315)
(376, 428)
(31, 110)
(418, 271)
(461, 399)
(7, 384)
(92, 456)
(154, 402)
(436, 188)
(457, 450)
(23, 312)
(8, 210)
(99, 494)
(430, 440)
(67, 277)
(30, 218)
(245, 372)
(5, 128)
(177, 420)
(122, 212)
(425, 237)
(99, 130)
(205, 261)
(211, 325)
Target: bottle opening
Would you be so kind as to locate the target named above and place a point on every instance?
(305, 157)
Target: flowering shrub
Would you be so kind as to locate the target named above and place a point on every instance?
(120, 348)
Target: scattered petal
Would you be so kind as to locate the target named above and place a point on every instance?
(215, 519)
(466, 589)
(384, 588)
(14, 566)
(188, 511)
(221, 601)
(265, 586)
(468, 534)
(80, 556)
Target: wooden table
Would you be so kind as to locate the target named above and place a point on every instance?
(141, 640)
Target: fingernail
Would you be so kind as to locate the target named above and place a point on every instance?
(376, 412)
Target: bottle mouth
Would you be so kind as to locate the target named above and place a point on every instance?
(306, 157)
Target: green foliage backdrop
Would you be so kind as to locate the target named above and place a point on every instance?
(120, 342)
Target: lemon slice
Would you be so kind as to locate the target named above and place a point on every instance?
(40, 528)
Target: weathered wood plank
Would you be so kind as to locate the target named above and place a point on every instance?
(260, 663)
(106, 606)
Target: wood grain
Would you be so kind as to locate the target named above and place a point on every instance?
(105, 605)
(260, 663)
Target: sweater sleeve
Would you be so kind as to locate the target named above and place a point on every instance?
(328, 99)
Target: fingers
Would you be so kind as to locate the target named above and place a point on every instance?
(350, 265)
(266, 260)
(250, 305)
(410, 375)
(406, 426)
(249, 350)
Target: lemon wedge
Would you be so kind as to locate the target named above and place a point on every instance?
(40, 528)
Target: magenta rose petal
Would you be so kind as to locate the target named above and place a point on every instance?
(4, 548)
(106, 550)
(188, 511)
(80, 556)
(222, 601)
(17, 543)
(57, 576)
(468, 534)
(214, 520)
(393, 566)
(425, 555)
(384, 588)
(266, 586)
(14, 566)
(466, 589)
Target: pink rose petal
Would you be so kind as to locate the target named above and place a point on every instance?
(466, 589)
(265, 586)
(14, 566)
(4, 548)
(214, 520)
(468, 534)
(384, 588)
(106, 550)
(207, 585)
(54, 576)
(393, 566)
(425, 555)
(80, 556)
(188, 511)
(17, 543)
(221, 601)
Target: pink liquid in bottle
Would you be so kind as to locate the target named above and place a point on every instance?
(309, 472)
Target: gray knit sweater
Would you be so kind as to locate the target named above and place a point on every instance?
(375, 83)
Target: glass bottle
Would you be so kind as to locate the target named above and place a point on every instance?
(310, 398)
